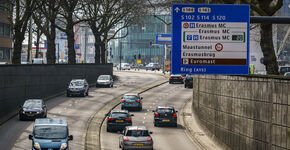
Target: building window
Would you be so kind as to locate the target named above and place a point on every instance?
(7, 30)
(1, 54)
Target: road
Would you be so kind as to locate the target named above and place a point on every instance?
(165, 138)
(77, 111)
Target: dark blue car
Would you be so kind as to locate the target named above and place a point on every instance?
(131, 101)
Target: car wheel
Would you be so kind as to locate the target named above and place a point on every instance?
(67, 95)
(108, 129)
(184, 85)
(84, 94)
(140, 108)
(155, 124)
(175, 125)
(87, 93)
(122, 108)
(20, 118)
(170, 82)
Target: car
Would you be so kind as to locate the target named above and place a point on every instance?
(165, 115)
(38, 61)
(32, 109)
(287, 74)
(188, 81)
(131, 101)
(175, 78)
(78, 87)
(284, 69)
(105, 80)
(124, 66)
(50, 134)
(152, 66)
(117, 120)
(136, 137)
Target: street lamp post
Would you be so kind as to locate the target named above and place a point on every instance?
(120, 46)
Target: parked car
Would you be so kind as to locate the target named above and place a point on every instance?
(287, 74)
(284, 69)
(188, 81)
(118, 119)
(32, 109)
(165, 115)
(50, 134)
(38, 61)
(105, 80)
(78, 87)
(175, 78)
(136, 137)
(152, 66)
(131, 101)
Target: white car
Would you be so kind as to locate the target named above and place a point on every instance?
(105, 80)
(287, 74)
(124, 66)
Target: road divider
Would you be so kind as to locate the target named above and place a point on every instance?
(92, 139)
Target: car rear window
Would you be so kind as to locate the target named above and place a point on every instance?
(165, 110)
(119, 115)
(137, 133)
(131, 97)
(77, 83)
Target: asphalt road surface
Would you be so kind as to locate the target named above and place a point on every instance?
(76, 110)
(164, 138)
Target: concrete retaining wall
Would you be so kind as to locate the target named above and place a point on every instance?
(245, 113)
(20, 82)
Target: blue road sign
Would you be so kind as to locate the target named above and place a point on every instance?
(210, 39)
(163, 39)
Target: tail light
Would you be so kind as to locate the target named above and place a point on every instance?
(125, 138)
(149, 139)
(138, 100)
(156, 115)
(174, 115)
(110, 119)
(123, 101)
(128, 119)
(180, 77)
(170, 78)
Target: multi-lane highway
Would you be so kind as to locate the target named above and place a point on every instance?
(78, 111)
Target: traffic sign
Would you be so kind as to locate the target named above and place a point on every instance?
(210, 39)
(139, 61)
(163, 39)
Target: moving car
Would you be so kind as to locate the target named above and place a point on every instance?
(50, 134)
(188, 81)
(118, 120)
(165, 115)
(175, 78)
(136, 137)
(32, 109)
(105, 80)
(131, 101)
(78, 87)
(152, 66)
(124, 66)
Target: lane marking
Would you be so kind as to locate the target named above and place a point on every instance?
(145, 114)
(144, 118)
(143, 122)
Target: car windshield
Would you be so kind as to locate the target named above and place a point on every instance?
(284, 69)
(32, 104)
(165, 110)
(137, 133)
(130, 97)
(189, 77)
(50, 132)
(77, 83)
(119, 115)
(104, 78)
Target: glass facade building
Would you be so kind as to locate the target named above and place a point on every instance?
(5, 35)
(141, 40)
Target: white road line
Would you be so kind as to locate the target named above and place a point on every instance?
(64, 108)
(143, 122)
(147, 110)
(153, 103)
(150, 106)
(70, 105)
(144, 118)
(145, 114)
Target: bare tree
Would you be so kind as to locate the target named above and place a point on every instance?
(104, 15)
(69, 12)
(18, 17)
(45, 18)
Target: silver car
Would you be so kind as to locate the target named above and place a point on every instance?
(105, 80)
(136, 137)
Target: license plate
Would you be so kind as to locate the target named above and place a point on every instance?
(166, 120)
(130, 103)
(75, 91)
(138, 144)
(30, 115)
(119, 120)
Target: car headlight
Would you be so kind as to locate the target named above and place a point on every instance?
(37, 112)
(63, 146)
(36, 146)
(23, 112)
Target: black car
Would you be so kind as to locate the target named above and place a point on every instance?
(165, 115)
(32, 108)
(188, 81)
(117, 120)
(78, 87)
(175, 78)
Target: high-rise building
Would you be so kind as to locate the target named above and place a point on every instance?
(141, 42)
(5, 36)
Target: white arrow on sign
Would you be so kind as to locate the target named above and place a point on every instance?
(177, 9)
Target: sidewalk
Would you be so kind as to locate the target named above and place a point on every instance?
(194, 131)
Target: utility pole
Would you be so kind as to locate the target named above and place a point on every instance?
(120, 46)
(164, 59)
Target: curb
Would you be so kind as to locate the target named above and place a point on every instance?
(92, 139)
